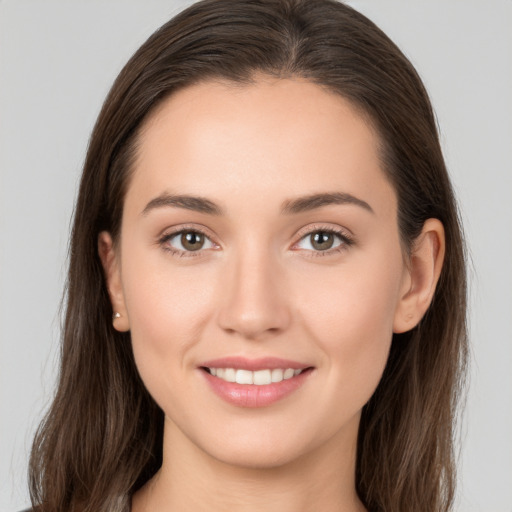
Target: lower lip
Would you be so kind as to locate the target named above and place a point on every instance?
(251, 395)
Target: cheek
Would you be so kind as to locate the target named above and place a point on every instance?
(351, 319)
(164, 307)
(168, 309)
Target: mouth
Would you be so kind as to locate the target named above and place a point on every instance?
(254, 382)
(257, 378)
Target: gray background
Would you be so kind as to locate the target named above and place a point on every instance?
(57, 61)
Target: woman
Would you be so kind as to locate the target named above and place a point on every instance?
(266, 293)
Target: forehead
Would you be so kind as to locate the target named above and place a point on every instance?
(273, 137)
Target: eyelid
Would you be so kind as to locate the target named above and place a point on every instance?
(173, 230)
(313, 228)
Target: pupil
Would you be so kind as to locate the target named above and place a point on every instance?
(322, 240)
(192, 240)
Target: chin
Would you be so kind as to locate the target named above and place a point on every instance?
(256, 457)
(272, 446)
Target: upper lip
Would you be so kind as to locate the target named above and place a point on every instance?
(262, 363)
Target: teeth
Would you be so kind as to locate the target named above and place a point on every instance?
(229, 375)
(288, 373)
(262, 377)
(259, 377)
(277, 375)
(243, 376)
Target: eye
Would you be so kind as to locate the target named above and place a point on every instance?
(324, 241)
(186, 241)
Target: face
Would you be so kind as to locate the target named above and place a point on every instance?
(259, 242)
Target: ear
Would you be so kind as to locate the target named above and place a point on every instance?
(425, 264)
(111, 267)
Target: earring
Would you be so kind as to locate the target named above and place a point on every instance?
(115, 316)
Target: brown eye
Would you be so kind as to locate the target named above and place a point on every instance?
(322, 240)
(192, 240)
(186, 242)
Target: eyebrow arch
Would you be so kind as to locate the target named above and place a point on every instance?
(198, 204)
(290, 206)
(314, 201)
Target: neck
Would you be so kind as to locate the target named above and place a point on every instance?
(192, 480)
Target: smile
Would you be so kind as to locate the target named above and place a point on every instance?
(252, 383)
(258, 378)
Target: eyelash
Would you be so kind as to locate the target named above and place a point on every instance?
(345, 239)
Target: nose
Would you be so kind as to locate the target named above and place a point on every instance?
(255, 304)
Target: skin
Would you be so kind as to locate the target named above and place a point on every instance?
(260, 288)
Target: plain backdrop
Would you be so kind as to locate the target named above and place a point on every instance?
(57, 62)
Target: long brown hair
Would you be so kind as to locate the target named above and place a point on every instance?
(102, 437)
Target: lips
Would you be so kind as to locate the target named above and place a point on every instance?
(254, 382)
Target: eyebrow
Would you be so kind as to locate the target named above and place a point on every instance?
(314, 201)
(289, 207)
(196, 203)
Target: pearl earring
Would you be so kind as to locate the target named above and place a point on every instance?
(116, 315)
